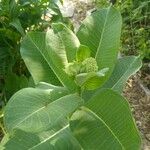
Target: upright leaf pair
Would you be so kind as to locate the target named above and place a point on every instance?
(46, 55)
(101, 33)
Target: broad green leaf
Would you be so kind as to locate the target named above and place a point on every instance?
(101, 33)
(96, 80)
(35, 110)
(81, 78)
(105, 123)
(32, 52)
(124, 68)
(88, 81)
(43, 61)
(93, 83)
(83, 52)
(47, 86)
(67, 39)
(61, 139)
(56, 91)
(92, 80)
(58, 51)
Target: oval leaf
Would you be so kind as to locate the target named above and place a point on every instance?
(101, 33)
(106, 123)
(124, 68)
(35, 110)
(83, 52)
(60, 139)
(61, 48)
(70, 42)
(32, 51)
(45, 57)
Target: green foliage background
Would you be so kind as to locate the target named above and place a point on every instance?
(16, 19)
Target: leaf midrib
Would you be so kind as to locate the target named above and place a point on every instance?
(101, 120)
(41, 54)
(53, 135)
(54, 70)
(39, 109)
(104, 26)
(64, 46)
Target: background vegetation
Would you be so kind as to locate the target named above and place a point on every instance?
(136, 26)
(16, 19)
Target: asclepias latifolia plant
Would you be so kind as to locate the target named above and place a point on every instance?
(77, 102)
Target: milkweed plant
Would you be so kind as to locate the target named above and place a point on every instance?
(77, 101)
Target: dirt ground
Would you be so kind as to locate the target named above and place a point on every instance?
(138, 95)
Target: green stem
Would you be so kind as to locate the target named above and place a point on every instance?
(3, 130)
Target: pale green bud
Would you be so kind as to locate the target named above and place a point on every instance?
(90, 65)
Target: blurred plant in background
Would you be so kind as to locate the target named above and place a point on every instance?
(136, 26)
(16, 19)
